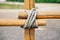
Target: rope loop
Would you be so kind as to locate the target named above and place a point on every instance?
(31, 20)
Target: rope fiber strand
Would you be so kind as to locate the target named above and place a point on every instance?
(31, 20)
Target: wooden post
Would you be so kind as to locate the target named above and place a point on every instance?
(29, 34)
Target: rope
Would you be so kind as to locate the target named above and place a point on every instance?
(31, 20)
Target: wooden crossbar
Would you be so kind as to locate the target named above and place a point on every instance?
(19, 22)
(41, 15)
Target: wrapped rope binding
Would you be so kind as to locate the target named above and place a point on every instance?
(31, 20)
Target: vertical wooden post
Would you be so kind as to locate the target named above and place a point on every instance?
(29, 34)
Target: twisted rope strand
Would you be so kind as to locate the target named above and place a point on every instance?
(31, 20)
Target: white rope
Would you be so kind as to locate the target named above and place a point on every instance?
(31, 20)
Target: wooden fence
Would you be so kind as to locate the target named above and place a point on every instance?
(29, 34)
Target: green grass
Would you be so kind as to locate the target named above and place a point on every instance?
(38, 1)
(11, 6)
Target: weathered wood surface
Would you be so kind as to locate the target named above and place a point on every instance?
(42, 15)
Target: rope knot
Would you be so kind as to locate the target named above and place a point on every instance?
(31, 20)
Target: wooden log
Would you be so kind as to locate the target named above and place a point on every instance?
(29, 34)
(41, 15)
(19, 22)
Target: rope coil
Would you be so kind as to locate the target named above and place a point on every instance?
(31, 20)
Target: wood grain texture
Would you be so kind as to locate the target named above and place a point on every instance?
(42, 15)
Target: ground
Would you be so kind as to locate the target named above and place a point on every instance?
(52, 31)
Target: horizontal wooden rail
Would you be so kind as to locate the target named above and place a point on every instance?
(41, 15)
(19, 22)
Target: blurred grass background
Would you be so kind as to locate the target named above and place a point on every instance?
(10, 6)
(38, 1)
(47, 1)
(20, 6)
